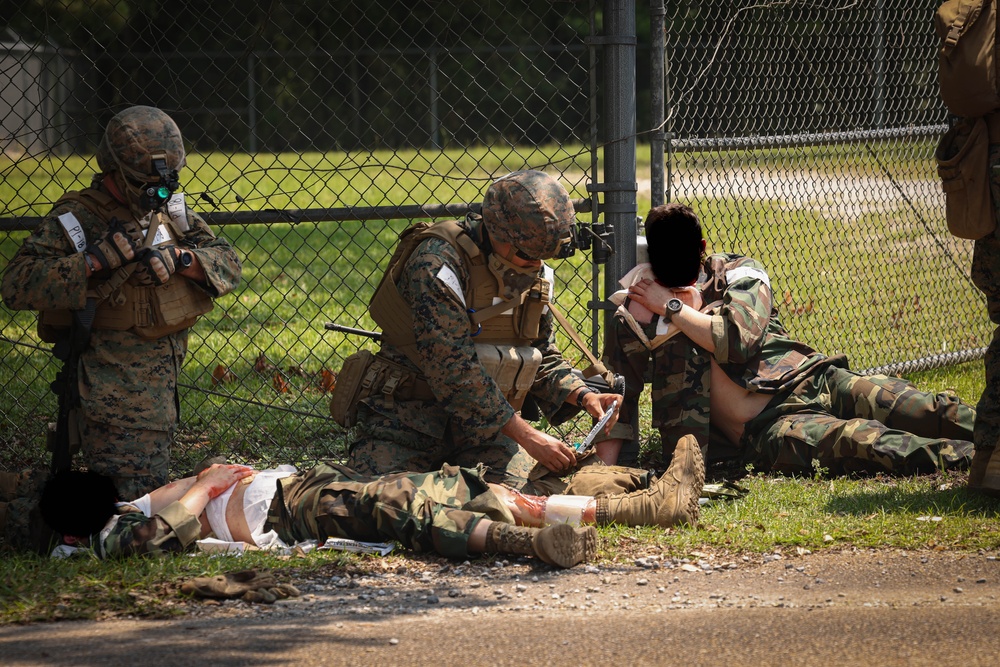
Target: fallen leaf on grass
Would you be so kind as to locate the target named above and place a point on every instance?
(279, 384)
(222, 375)
(328, 381)
(262, 365)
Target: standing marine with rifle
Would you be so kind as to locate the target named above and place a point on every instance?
(118, 273)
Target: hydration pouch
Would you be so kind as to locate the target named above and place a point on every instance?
(347, 391)
(962, 157)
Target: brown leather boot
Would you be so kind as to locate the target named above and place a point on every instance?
(561, 545)
(564, 545)
(670, 501)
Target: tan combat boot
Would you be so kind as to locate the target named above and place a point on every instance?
(990, 484)
(977, 471)
(561, 545)
(670, 501)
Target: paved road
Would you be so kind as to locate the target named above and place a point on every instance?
(864, 608)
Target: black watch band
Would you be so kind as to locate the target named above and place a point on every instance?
(583, 392)
(672, 307)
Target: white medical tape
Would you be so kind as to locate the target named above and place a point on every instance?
(565, 509)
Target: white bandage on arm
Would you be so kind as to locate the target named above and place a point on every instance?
(565, 509)
(144, 504)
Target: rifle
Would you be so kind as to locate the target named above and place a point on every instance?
(65, 441)
(333, 326)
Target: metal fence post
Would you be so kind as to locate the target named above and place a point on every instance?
(657, 10)
(619, 137)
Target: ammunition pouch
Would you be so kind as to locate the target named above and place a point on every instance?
(365, 374)
(513, 369)
(151, 312)
(963, 164)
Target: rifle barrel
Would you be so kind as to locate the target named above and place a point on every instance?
(333, 326)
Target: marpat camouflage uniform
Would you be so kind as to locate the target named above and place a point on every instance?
(820, 410)
(462, 426)
(128, 384)
(434, 512)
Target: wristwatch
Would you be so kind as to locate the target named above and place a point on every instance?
(185, 259)
(672, 308)
(583, 392)
(88, 258)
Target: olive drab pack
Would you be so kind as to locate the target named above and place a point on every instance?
(968, 59)
(962, 157)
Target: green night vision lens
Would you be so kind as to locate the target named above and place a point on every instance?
(162, 192)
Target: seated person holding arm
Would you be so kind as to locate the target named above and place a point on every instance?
(735, 379)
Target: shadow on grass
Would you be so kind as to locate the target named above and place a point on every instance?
(901, 499)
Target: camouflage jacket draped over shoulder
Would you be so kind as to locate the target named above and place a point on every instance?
(469, 401)
(751, 344)
(171, 530)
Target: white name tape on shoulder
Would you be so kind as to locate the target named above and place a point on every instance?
(447, 276)
(748, 272)
(177, 211)
(74, 231)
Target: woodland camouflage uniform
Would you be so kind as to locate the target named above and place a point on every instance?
(432, 512)
(820, 410)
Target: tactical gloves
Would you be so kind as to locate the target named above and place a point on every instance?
(248, 585)
(156, 265)
(116, 248)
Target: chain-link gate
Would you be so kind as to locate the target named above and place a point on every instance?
(802, 132)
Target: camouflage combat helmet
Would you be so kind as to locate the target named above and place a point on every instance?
(133, 139)
(531, 211)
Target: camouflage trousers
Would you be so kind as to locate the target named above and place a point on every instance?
(679, 377)
(853, 423)
(986, 276)
(847, 421)
(379, 447)
(137, 460)
(432, 512)
(21, 525)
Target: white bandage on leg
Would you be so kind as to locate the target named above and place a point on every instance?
(565, 509)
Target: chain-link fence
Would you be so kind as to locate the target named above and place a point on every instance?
(801, 131)
(804, 133)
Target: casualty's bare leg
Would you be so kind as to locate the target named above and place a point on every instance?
(670, 501)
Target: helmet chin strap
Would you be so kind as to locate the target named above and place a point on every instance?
(131, 194)
(499, 264)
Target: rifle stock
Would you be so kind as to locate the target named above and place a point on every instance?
(65, 441)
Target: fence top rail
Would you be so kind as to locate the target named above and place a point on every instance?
(312, 215)
(804, 139)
